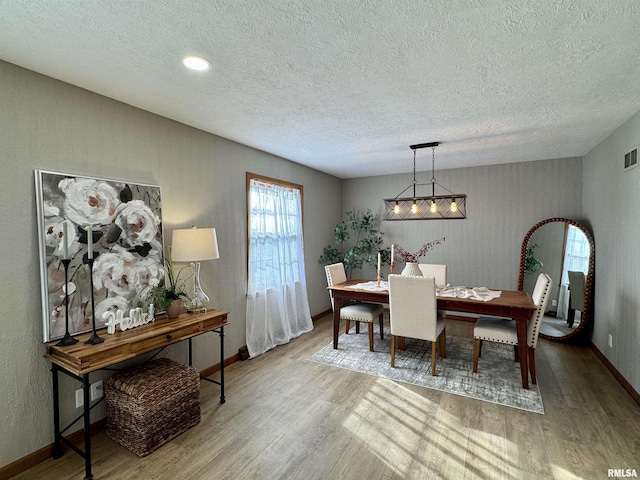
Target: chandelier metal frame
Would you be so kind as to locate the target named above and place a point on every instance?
(450, 206)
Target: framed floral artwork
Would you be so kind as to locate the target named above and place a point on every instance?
(119, 225)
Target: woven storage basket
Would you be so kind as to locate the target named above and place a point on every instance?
(152, 404)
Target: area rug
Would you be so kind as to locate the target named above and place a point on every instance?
(497, 381)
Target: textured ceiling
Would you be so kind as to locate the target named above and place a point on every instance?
(346, 86)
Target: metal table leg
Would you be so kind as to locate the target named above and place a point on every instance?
(220, 332)
(222, 399)
(86, 390)
(57, 446)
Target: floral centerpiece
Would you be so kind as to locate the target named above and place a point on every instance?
(407, 257)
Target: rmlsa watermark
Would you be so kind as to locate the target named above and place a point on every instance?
(622, 473)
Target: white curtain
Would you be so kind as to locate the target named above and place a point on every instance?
(277, 303)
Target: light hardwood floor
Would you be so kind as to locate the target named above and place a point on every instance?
(287, 418)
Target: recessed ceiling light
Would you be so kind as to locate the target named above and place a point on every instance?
(194, 62)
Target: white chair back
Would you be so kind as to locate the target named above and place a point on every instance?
(413, 307)
(439, 272)
(335, 274)
(540, 297)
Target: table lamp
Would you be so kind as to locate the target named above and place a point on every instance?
(195, 245)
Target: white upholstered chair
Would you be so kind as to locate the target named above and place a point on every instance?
(439, 272)
(576, 295)
(503, 330)
(414, 314)
(358, 312)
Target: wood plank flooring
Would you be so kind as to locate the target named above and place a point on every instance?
(286, 418)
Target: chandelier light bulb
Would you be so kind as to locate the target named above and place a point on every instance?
(396, 209)
(454, 206)
(414, 208)
(434, 207)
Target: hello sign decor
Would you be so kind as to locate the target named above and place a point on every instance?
(136, 318)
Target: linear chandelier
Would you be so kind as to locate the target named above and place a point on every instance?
(450, 206)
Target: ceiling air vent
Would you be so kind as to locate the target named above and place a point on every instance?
(631, 159)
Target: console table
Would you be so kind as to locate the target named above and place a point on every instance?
(79, 360)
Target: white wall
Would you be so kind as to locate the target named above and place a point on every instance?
(503, 203)
(50, 125)
(611, 199)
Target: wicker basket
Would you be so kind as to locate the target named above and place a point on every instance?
(152, 404)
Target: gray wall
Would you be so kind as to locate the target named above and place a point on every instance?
(50, 125)
(611, 199)
(503, 203)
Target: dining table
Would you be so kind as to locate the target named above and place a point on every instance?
(513, 304)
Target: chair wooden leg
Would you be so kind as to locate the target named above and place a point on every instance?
(393, 351)
(348, 326)
(381, 326)
(370, 326)
(401, 343)
(532, 364)
(516, 357)
(357, 327)
(477, 345)
(433, 358)
(480, 349)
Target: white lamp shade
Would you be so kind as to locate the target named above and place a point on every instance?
(194, 245)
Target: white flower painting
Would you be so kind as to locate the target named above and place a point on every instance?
(120, 223)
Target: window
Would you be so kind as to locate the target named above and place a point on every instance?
(576, 253)
(277, 302)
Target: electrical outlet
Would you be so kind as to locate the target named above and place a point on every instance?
(96, 391)
(554, 303)
(610, 341)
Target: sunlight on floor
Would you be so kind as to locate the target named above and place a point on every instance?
(412, 434)
(383, 422)
(560, 473)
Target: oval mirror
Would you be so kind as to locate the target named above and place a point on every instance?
(564, 250)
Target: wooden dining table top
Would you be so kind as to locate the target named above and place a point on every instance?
(510, 303)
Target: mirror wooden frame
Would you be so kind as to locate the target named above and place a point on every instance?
(587, 314)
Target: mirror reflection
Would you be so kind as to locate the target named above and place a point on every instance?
(561, 249)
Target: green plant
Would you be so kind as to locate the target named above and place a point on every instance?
(358, 242)
(162, 295)
(531, 263)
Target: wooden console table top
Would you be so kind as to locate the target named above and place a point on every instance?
(81, 359)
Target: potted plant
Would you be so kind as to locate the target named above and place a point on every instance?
(168, 297)
(531, 263)
(357, 240)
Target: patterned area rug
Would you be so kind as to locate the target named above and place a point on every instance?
(497, 381)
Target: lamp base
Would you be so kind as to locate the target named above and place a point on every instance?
(199, 300)
(197, 309)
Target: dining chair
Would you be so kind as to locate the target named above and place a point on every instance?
(439, 272)
(414, 314)
(358, 312)
(576, 295)
(503, 330)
